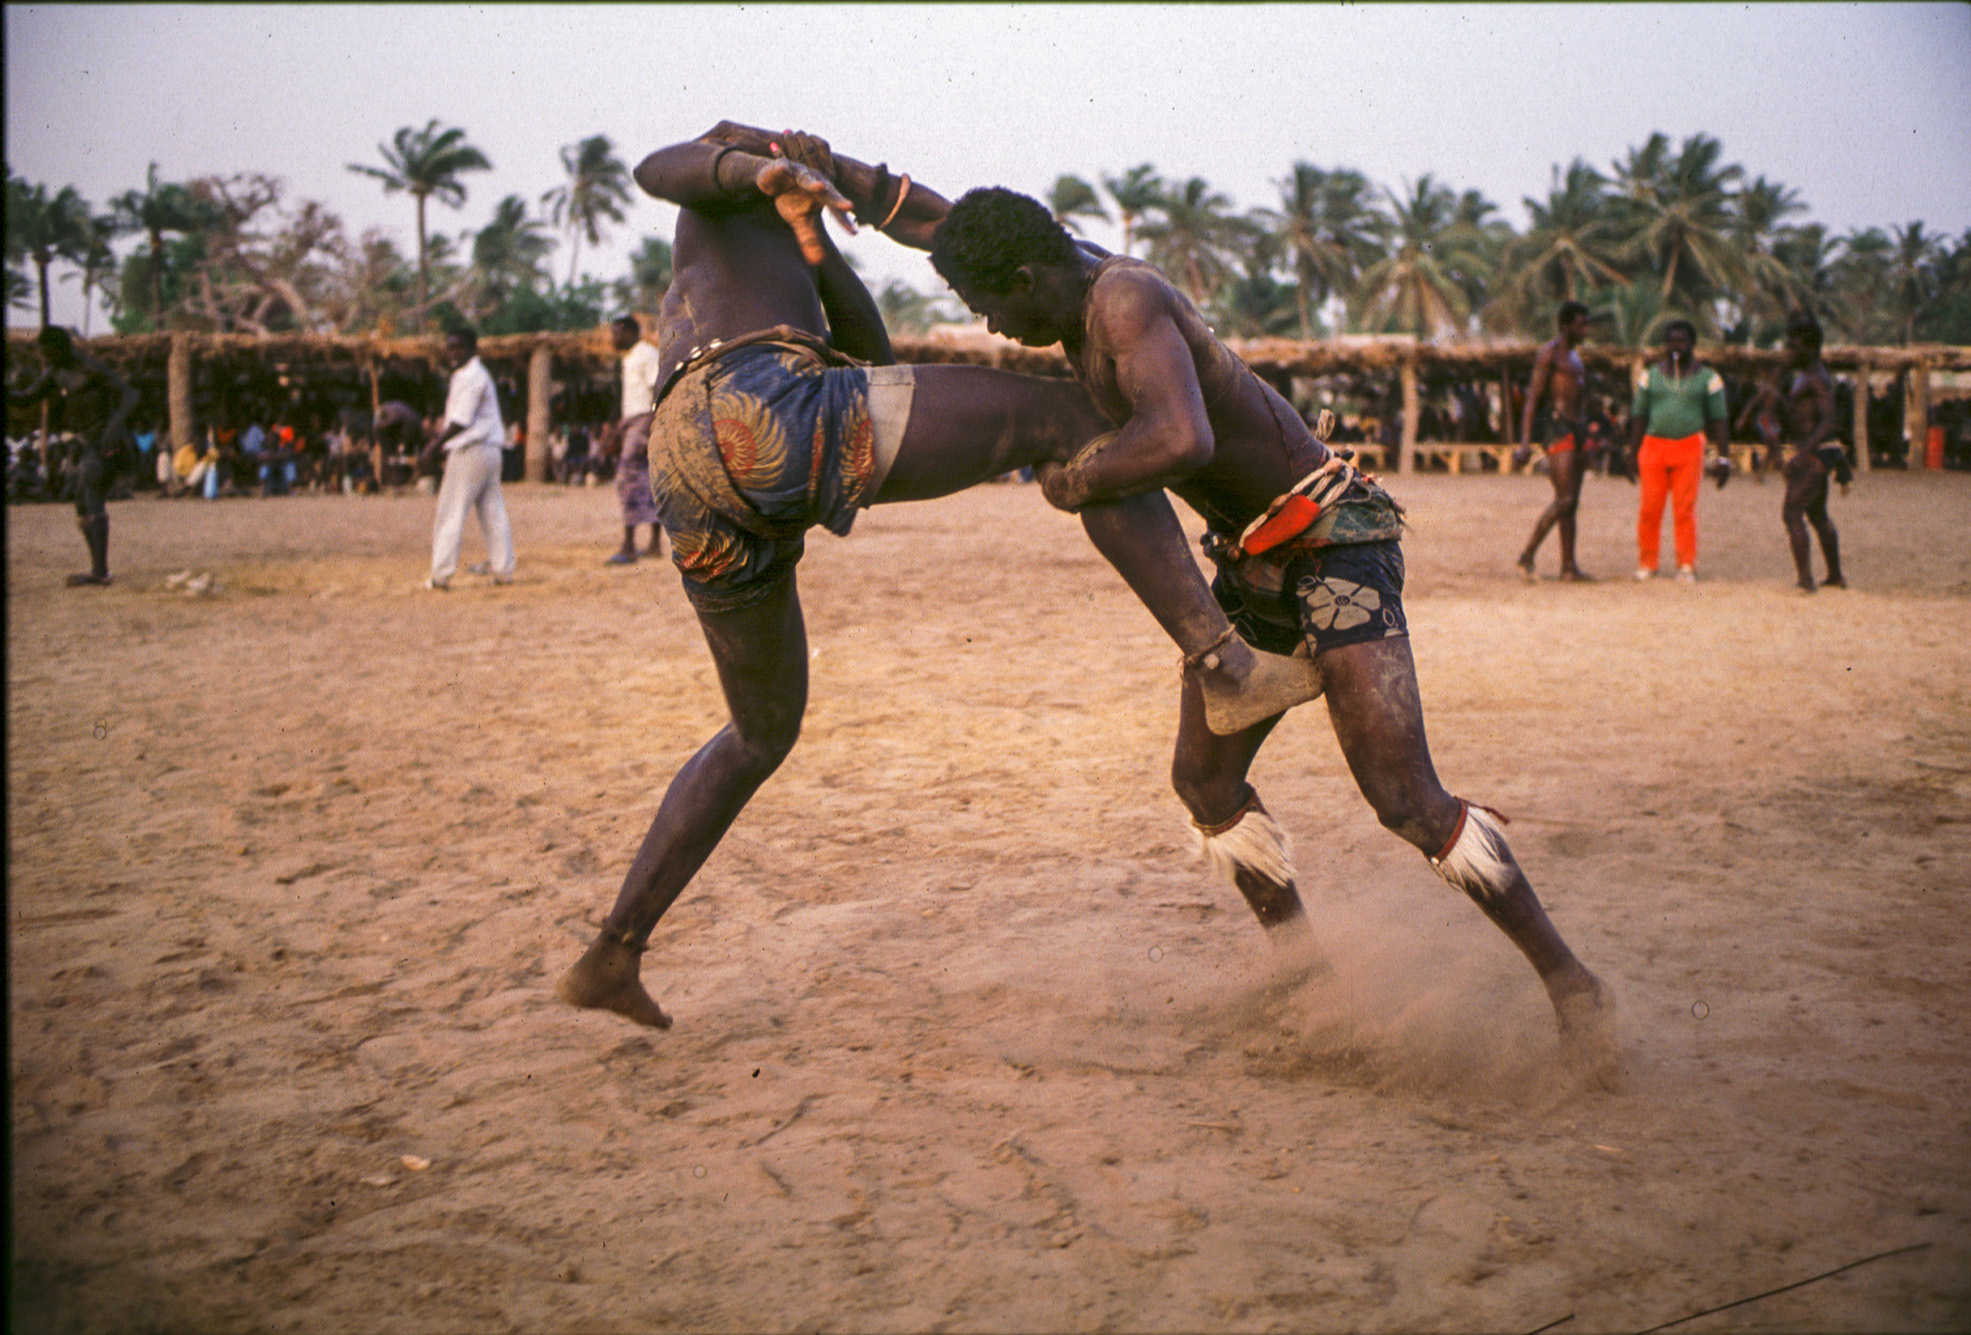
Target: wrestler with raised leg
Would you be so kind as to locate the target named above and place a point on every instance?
(765, 426)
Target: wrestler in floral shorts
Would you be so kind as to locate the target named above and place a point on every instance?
(1329, 597)
(751, 449)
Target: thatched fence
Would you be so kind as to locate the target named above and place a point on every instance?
(536, 367)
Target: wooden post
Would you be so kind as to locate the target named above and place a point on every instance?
(1916, 415)
(540, 394)
(1508, 428)
(178, 390)
(1407, 451)
(1864, 386)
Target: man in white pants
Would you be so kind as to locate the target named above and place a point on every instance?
(471, 439)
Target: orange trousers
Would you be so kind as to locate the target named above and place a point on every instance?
(1673, 468)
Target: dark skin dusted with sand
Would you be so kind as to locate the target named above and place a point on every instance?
(750, 254)
(1190, 416)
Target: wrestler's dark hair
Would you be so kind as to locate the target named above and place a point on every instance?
(1684, 325)
(1569, 312)
(1807, 328)
(465, 334)
(991, 232)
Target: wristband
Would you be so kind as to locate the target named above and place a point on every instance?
(876, 193)
(717, 159)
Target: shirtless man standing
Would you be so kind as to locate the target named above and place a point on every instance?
(94, 403)
(768, 422)
(1809, 409)
(1309, 563)
(1559, 377)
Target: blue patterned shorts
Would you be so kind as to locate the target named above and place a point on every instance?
(1329, 597)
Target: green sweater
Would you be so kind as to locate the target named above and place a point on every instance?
(1679, 407)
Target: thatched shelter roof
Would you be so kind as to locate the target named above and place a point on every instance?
(590, 350)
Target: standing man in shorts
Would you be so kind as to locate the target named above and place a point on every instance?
(1809, 411)
(1308, 555)
(768, 422)
(95, 404)
(1559, 381)
(629, 437)
(472, 440)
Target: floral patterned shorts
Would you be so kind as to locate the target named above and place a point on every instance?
(1331, 597)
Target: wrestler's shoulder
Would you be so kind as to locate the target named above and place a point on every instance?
(1131, 294)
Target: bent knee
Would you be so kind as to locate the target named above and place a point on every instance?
(760, 751)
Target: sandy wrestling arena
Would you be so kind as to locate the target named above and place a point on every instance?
(965, 1038)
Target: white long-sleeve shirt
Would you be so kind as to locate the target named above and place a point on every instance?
(473, 401)
(639, 379)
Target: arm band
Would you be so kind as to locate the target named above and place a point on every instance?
(902, 195)
(876, 194)
(718, 159)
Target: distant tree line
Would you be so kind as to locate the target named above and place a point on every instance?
(1669, 231)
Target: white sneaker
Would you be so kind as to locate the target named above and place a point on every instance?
(1686, 574)
(1644, 573)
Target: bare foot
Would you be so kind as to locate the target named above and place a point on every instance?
(1576, 575)
(1834, 582)
(1526, 571)
(1805, 586)
(606, 979)
(87, 581)
(1585, 1008)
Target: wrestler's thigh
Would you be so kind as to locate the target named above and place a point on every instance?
(1377, 715)
(969, 424)
(761, 653)
(1565, 469)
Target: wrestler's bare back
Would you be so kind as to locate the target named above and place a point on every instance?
(1248, 467)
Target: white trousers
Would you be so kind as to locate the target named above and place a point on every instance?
(472, 482)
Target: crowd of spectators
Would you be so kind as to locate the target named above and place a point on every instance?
(280, 454)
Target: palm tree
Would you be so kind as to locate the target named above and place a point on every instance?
(1136, 192)
(425, 163)
(1679, 224)
(1421, 287)
(1570, 249)
(908, 311)
(1810, 256)
(1328, 223)
(45, 229)
(1758, 230)
(1073, 198)
(1862, 280)
(1912, 274)
(649, 277)
(160, 207)
(96, 266)
(507, 254)
(1196, 237)
(597, 190)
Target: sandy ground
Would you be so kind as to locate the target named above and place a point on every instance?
(965, 1038)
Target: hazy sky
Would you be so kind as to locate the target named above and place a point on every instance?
(1865, 110)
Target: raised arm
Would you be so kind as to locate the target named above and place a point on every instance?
(707, 175)
(855, 322)
(898, 205)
